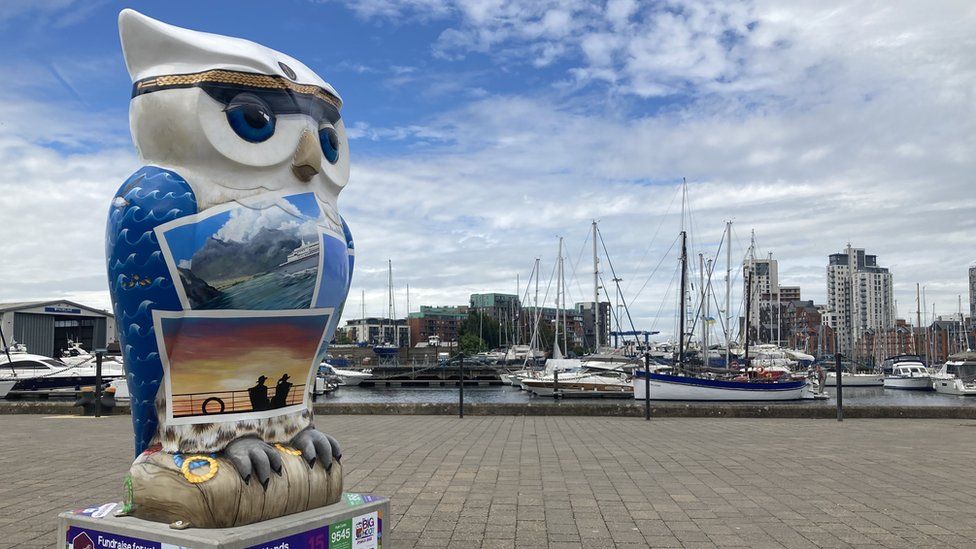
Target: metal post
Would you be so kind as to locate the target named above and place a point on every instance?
(647, 386)
(555, 384)
(840, 387)
(461, 387)
(98, 383)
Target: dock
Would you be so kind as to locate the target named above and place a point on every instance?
(435, 375)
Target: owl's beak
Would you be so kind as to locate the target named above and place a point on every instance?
(308, 156)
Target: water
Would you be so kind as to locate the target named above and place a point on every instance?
(274, 290)
(878, 396)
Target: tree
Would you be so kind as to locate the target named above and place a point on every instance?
(482, 327)
(471, 344)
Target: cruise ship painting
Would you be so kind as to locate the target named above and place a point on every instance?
(301, 258)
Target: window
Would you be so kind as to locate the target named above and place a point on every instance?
(26, 365)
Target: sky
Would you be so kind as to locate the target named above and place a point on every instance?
(483, 130)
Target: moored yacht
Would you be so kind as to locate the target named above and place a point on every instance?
(957, 376)
(908, 374)
(348, 378)
(31, 372)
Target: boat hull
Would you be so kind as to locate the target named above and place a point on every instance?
(351, 381)
(952, 387)
(5, 387)
(855, 380)
(907, 383)
(670, 387)
(579, 390)
(30, 384)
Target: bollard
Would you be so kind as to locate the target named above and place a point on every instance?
(98, 383)
(555, 384)
(461, 387)
(840, 388)
(647, 386)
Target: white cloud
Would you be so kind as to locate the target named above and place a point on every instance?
(245, 223)
(819, 125)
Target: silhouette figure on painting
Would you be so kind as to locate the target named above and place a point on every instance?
(259, 395)
(280, 399)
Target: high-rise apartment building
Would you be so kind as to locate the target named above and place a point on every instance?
(859, 297)
(972, 294)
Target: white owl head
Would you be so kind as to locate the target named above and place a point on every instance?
(230, 115)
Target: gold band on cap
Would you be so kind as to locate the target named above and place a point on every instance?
(221, 76)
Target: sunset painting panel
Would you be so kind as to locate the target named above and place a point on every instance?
(224, 368)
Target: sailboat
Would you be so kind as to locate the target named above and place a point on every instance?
(385, 349)
(685, 383)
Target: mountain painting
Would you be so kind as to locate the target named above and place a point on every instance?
(250, 257)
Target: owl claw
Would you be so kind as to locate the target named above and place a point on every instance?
(316, 445)
(254, 456)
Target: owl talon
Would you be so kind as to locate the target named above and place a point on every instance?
(254, 456)
(316, 445)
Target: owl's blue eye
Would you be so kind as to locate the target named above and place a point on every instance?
(250, 118)
(330, 144)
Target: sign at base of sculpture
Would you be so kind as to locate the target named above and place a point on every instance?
(228, 266)
(357, 521)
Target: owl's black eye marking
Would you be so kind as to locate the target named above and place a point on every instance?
(250, 118)
(329, 140)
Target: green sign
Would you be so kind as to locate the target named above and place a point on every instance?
(340, 535)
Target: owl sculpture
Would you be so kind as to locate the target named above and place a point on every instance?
(228, 262)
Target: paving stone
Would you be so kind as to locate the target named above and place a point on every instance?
(504, 482)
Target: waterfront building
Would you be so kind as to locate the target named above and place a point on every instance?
(764, 294)
(859, 297)
(45, 327)
(944, 337)
(972, 294)
(804, 330)
(505, 309)
(875, 345)
(440, 324)
(549, 316)
(788, 294)
(590, 331)
(376, 331)
(768, 321)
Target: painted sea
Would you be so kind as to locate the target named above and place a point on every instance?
(274, 290)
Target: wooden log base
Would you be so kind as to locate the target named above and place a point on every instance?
(160, 492)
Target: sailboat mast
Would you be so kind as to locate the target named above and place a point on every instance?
(517, 321)
(701, 298)
(918, 319)
(596, 295)
(559, 289)
(728, 290)
(390, 308)
(562, 274)
(681, 309)
(708, 288)
(925, 330)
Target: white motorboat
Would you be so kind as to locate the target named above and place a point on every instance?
(523, 353)
(855, 380)
(909, 375)
(76, 355)
(587, 385)
(31, 372)
(957, 376)
(347, 378)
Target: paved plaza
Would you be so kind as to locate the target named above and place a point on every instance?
(577, 481)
